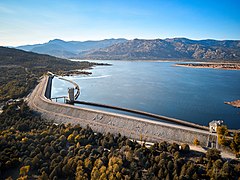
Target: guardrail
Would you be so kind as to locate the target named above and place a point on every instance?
(174, 120)
(75, 86)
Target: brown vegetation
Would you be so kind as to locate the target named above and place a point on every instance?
(227, 141)
(227, 66)
(36, 148)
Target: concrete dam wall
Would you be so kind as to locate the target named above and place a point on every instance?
(103, 122)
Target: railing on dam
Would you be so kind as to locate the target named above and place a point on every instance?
(168, 119)
(61, 97)
(48, 90)
(75, 86)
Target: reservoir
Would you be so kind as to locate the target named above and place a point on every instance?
(194, 95)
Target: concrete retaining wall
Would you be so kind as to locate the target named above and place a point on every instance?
(49, 88)
(101, 121)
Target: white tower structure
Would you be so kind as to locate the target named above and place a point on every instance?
(214, 124)
(71, 94)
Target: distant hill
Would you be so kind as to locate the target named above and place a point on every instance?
(20, 71)
(37, 63)
(68, 49)
(141, 49)
(176, 48)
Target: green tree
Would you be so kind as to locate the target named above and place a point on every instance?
(44, 176)
(185, 148)
(24, 170)
(95, 174)
(88, 164)
(235, 144)
(80, 173)
(222, 130)
(213, 154)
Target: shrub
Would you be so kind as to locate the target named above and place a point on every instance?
(185, 148)
(222, 130)
(70, 138)
(196, 142)
(213, 154)
(24, 170)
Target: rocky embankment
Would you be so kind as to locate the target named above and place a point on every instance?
(73, 73)
(227, 66)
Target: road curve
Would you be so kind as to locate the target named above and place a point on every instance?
(75, 86)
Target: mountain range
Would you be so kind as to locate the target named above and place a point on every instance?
(142, 49)
(68, 49)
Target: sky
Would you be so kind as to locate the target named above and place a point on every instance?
(37, 21)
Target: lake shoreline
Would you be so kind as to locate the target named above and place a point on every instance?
(224, 66)
(234, 103)
(136, 85)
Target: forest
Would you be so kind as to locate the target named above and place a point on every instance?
(20, 71)
(36, 148)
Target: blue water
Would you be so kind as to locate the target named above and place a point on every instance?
(195, 95)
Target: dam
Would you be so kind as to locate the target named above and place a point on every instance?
(104, 122)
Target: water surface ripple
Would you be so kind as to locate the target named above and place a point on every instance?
(195, 95)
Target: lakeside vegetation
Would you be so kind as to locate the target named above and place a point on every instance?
(213, 65)
(20, 71)
(15, 82)
(31, 147)
(36, 148)
(229, 142)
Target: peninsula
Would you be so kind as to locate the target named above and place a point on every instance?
(226, 66)
(234, 103)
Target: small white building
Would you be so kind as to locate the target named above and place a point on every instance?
(214, 124)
